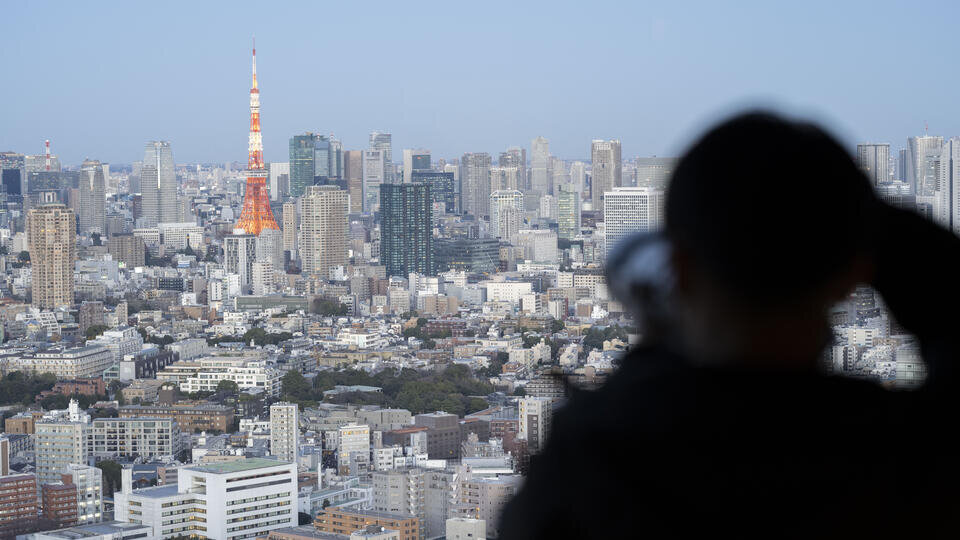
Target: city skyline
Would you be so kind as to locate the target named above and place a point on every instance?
(663, 75)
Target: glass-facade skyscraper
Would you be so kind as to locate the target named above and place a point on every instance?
(406, 236)
(302, 156)
(443, 188)
(158, 184)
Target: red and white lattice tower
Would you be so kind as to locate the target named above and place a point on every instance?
(256, 214)
(46, 150)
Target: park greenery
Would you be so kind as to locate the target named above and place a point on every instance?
(596, 336)
(454, 389)
(19, 387)
(327, 307)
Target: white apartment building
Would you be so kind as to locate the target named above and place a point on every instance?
(57, 445)
(203, 374)
(129, 437)
(231, 500)
(535, 417)
(284, 430)
(352, 439)
(176, 235)
(86, 361)
(120, 341)
(89, 482)
(506, 291)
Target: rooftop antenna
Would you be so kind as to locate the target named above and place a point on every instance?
(46, 150)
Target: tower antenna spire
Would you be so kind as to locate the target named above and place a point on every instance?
(256, 214)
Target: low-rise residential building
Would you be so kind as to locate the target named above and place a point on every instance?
(340, 521)
(190, 417)
(204, 374)
(133, 437)
(72, 363)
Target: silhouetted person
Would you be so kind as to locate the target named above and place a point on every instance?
(721, 425)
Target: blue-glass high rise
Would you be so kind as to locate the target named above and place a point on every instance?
(406, 235)
(443, 188)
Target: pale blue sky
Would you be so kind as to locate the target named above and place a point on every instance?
(101, 78)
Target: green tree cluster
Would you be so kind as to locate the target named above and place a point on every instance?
(20, 387)
(111, 476)
(95, 330)
(596, 336)
(449, 390)
(328, 307)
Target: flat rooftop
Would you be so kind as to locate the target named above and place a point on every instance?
(94, 529)
(228, 467)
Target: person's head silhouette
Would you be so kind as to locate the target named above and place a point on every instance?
(768, 221)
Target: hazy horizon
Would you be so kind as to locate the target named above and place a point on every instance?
(99, 81)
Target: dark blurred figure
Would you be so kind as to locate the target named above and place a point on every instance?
(720, 424)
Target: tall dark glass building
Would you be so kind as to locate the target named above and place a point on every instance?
(406, 235)
(443, 188)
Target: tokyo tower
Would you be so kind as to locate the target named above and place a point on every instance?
(256, 214)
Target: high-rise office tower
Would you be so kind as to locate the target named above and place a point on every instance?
(52, 234)
(578, 176)
(918, 149)
(415, 160)
(516, 157)
(475, 184)
(902, 161)
(504, 178)
(606, 169)
(406, 233)
(443, 188)
(951, 151)
(302, 156)
(12, 173)
(384, 143)
(353, 173)
(336, 158)
(284, 430)
(290, 229)
(45, 162)
(92, 197)
(239, 252)
(655, 171)
(256, 214)
(323, 229)
(321, 159)
(568, 212)
(874, 160)
(374, 175)
(158, 184)
(539, 161)
(627, 210)
(277, 170)
(506, 213)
